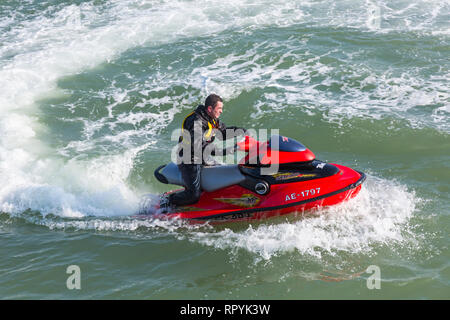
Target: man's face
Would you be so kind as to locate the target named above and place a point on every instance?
(217, 111)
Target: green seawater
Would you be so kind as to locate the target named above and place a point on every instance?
(92, 91)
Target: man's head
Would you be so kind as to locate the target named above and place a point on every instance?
(214, 106)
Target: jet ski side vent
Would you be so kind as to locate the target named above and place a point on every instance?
(259, 186)
(262, 188)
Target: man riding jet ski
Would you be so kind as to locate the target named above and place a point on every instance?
(276, 177)
(199, 130)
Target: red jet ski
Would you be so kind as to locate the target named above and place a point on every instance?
(276, 177)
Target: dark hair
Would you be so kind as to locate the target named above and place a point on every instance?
(212, 100)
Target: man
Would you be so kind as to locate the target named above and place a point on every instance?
(199, 129)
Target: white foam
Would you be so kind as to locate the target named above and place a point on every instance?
(147, 227)
(74, 189)
(379, 215)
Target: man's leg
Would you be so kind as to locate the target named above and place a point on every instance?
(191, 174)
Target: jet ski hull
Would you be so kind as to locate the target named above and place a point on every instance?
(239, 203)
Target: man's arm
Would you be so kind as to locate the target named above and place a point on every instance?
(226, 133)
(229, 132)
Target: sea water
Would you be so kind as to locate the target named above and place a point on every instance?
(91, 92)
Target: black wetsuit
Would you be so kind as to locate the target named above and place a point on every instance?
(198, 132)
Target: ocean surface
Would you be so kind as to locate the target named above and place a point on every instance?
(91, 92)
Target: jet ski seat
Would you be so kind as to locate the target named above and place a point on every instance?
(213, 177)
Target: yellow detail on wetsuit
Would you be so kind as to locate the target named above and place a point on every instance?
(208, 133)
(182, 127)
(210, 127)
